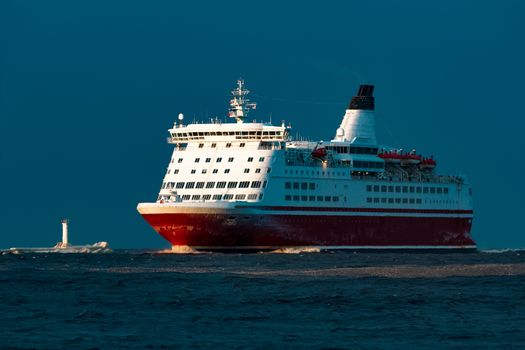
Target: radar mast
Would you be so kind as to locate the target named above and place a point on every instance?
(239, 104)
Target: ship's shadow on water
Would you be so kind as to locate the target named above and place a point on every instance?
(145, 299)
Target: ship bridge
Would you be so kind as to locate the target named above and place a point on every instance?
(218, 131)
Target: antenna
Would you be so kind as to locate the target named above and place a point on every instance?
(239, 104)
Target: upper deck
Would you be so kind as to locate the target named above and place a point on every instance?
(218, 131)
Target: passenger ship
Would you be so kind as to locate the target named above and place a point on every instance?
(250, 186)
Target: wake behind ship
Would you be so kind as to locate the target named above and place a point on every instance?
(250, 186)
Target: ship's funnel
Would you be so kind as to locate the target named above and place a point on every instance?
(358, 123)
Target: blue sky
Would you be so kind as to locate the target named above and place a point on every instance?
(89, 88)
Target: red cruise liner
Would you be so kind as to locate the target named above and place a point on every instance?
(251, 186)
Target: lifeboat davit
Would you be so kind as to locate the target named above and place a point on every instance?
(390, 157)
(427, 163)
(410, 159)
(319, 153)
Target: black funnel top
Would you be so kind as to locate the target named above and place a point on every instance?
(364, 99)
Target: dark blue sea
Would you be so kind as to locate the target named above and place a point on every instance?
(147, 300)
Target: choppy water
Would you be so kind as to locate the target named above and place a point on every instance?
(132, 299)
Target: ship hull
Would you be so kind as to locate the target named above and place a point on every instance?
(238, 230)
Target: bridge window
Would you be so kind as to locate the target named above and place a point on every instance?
(232, 184)
(250, 159)
(210, 184)
(190, 184)
(256, 184)
(221, 184)
(244, 184)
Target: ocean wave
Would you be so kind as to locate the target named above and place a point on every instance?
(503, 250)
(179, 249)
(296, 250)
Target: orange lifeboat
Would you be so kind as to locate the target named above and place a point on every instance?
(319, 153)
(410, 159)
(390, 157)
(427, 163)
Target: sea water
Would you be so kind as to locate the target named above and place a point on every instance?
(290, 299)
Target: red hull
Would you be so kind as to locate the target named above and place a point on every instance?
(271, 230)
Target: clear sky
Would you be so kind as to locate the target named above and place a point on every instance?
(89, 88)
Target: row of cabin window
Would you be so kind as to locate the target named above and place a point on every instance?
(215, 171)
(315, 172)
(219, 159)
(406, 189)
(227, 133)
(300, 185)
(227, 171)
(353, 149)
(218, 197)
(393, 200)
(311, 198)
(367, 164)
(213, 184)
